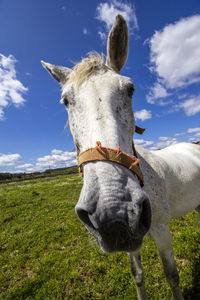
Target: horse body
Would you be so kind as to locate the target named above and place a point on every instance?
(171, 177)
(112, 204)
(182, 178)
(178, 168)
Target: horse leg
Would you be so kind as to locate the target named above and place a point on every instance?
(138, 275)
(163, 240)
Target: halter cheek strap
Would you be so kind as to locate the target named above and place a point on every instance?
(139, 130)
(100, 153)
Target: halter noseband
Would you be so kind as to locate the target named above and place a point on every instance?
(100, 153)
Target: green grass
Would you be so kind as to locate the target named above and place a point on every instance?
(46, 253)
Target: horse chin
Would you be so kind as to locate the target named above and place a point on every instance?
(130, 246)
(112, 246)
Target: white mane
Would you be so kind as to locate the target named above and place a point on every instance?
(87, 67)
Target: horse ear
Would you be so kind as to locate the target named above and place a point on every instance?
(58, 72)
(117, 45)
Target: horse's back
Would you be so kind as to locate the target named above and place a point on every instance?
(181, 163)
(189, 152)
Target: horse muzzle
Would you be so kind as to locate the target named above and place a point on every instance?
(120, 227)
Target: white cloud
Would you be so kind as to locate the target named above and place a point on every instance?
(143, 143)
(143, 114)
(1, 114)
(24, 166)
(180, 134)
(151, 145)
(55, 151)
(191, 106)
(195, 132)
(85, 32)
(165, 142)
(175, 52)
(9, 159)
(163, 138)
(11, 89)
(107, 12)
(57, 159)
(102, 35)
(192, 130)
(158, 91)
(175, 60)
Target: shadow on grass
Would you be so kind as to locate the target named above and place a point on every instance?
(193, 293)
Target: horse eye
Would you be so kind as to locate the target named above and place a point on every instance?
(65, 101)
(131, 90)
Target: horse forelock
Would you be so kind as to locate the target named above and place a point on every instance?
(87, 67)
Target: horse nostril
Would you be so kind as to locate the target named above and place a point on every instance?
(84, 217)
(145, 217)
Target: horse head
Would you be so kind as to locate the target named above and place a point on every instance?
(112, 204)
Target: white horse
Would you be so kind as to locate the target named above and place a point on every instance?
(113, 205)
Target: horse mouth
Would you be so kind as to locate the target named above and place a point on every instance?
(119, 238)
(131, 245)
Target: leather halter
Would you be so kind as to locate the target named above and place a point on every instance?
(100, 153)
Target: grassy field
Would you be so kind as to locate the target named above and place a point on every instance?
(45, 252)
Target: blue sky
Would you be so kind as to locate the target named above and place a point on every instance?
(163, 62)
